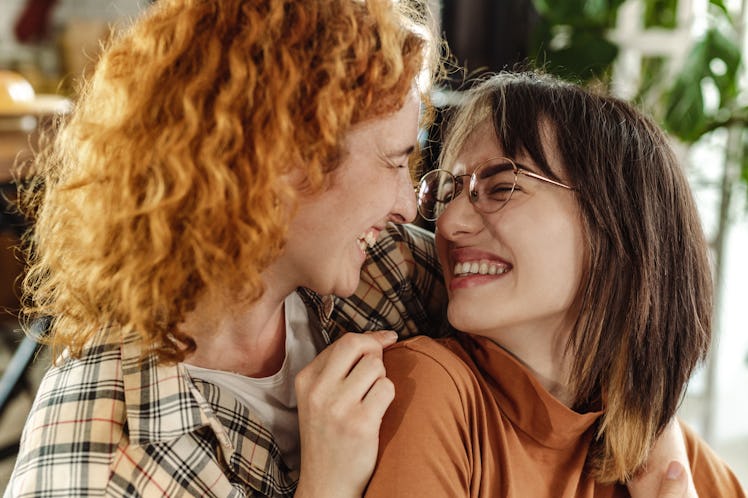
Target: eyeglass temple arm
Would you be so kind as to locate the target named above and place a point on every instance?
(543, 178)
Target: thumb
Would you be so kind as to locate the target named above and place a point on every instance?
(384, 337)
(675, 482)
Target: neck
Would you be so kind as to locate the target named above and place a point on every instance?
(543, 352)
(248, 340)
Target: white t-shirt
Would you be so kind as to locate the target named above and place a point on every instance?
(273, 398)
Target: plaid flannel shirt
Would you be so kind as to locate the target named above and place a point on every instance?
(108, 424)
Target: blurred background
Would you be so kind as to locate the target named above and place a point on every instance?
(680, 60)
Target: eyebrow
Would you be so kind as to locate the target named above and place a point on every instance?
(520, 165)
(495, 161)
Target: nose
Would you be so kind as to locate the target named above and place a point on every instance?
(404, 210)
(460, 219)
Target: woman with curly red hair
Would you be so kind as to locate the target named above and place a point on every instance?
(224, 154)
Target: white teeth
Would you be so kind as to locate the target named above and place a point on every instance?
(370, 239)
(482, 267)
(367, 239)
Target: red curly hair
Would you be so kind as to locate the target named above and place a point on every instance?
(168, 176)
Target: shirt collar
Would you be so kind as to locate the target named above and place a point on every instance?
(163, 404)
(321, 310)
(153, 388)
(158, 400)
(523, 399)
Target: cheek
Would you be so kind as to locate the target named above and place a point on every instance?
(441, 250)
(563, 261)
(365, 184)
(549, 250)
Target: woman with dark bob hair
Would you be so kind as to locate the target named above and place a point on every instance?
(224, 173)
(579, 280)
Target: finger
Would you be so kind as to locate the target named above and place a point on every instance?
(333, 365)
(343, 355)
(675, 482)
(361, 378)
(385, 337)
(379, 398)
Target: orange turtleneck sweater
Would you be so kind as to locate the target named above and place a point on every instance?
(469, 420)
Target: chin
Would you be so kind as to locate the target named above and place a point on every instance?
(465, 318)
(457, 319)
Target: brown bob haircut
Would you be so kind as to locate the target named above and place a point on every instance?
(645, 302)
(173, 172)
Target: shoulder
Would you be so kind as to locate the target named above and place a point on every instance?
(400, 247)
(409, 234)
(430, 366)
(73, 379)
(415, 246)
(74, 426)
(401, 287)
(78, 389)
(711, 475)
(427, 349)
(435, 396)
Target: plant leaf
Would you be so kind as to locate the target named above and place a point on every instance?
(685, 115)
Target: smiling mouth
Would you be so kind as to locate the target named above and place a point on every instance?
(366, 240)
(481, 267)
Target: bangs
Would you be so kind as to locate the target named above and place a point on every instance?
(522, 121)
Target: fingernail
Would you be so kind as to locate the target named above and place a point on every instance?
(391, 334)
(674, 470)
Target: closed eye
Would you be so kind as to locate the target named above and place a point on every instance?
(399, 159)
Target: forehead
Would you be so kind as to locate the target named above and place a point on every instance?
(395, 131)
(482, 144)
(479, 145)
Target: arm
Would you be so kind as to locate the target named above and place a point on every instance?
(711, 475)
(660, 478)
(425, 438)
(66, 446)
(342, 395)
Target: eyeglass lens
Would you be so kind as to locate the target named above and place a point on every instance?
(491, 187)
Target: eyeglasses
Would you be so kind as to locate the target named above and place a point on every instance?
(491, 186)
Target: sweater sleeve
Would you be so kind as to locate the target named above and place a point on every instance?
(711, 475)
(425, 441)
(71, 434)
